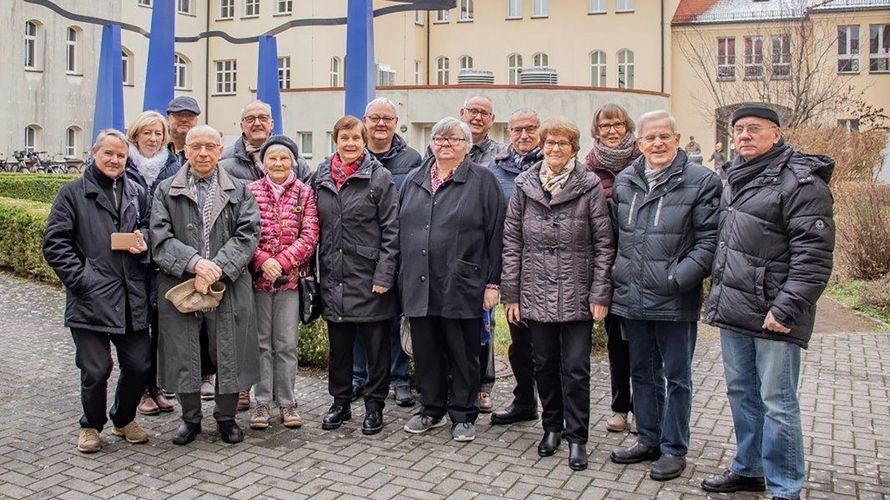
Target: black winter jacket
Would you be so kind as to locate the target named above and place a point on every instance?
(100, 283)
(451, 243)
(358, 245)
(400, 160)
(666, 239)
(775, 248)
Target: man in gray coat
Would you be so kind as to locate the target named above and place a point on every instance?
(205, 225)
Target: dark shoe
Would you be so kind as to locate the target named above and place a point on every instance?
(403, 396)
(163, 404)
(667, 467)
(373, 422)
(635, 454)
(147, 405)
(577, 456)
(230, 432)
(728, 482)
(336, 416)
(357, 392)
(186, 433)
(549, 443)
(512, 414)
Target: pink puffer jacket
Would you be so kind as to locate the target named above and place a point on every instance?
(288, 230)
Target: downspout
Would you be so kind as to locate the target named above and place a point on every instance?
(428, 62)
(207, 65)
(662, 45)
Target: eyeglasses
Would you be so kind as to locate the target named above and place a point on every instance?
(451, 141)
(377, 119)
(604, 127)
(199, 147)
(259, 118)
(557, 144)
(531, 129)
(650, 139)
(476, 111)
(751, 129)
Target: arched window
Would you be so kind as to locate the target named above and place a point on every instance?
(32, 137)
(180, 72)
(598, 68)
(335, 72)
(72, 50)
(540, 59)
(32, 52)
(514, 67)
(625, 69)
(72, 140)
(466, 62)
(126, 66)
(443, 66)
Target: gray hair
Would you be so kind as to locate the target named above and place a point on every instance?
(652, 116)
(279, 147)
(106, 133)
(266, 107)
(450, 123)
(382, 101)
(202, 130)
(522, 112)
(479, 96)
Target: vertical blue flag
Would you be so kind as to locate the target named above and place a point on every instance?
(267, 89)
(361, 77)
(109, 109)
(161, 47)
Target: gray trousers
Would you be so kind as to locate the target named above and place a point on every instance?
(226, 405)
(277, 317)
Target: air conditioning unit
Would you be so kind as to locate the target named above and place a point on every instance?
(538, 75)
(475, 76)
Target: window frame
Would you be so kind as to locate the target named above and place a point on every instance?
(302, 135)
(518, 5)
(849, 57)
(726, 59)
(443, 70)
(30, 44)
(126, 67)
(30, 143)
(540, 9)
(753, 59)
(143, 3)
(624, 6)
(180, 71)
(223, 85)
(418, 72)
(593, 9)
(284, 72)
(188, 7)
(465, 11)
(288, 7)
(540, 57)
(879, 48)
(336, 71)
(443, 16)
(254, 5)
(602, 65)
(72, 58)
(514, 68)
(462, 60)
(780, 62)
(227, 5)
(627, 67)
(72, 140)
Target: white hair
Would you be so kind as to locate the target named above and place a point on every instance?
(202, 130)
(106, 133)
(524, 112)
(384, 102)
(266, 107)
(479, 96)
(450, 123)
(279, 147)
(657, 115)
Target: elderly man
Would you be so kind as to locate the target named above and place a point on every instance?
(205, 225)
(523, 152)
(182, 116)
(772, 264)
(665, 214)
(105, 285)
(381, 119)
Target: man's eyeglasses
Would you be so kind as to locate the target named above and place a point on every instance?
(452, 141)
(199, 146)
(476, 111)
(604, 127)
(259, 118)
(650, 139)
(377, 119)
(531, 129)
(751, 129)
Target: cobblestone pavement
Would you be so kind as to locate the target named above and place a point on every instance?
(844, 399)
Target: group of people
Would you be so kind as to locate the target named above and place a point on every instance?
(203, 300)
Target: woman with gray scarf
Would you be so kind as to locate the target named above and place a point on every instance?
(614, 149)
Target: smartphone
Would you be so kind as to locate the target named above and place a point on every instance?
(125, 241)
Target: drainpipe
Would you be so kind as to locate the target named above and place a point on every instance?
(428, 65)
(661, 17)
(207, 65)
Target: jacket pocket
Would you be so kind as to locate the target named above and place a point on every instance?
(367, 252)
(759, 286)
(467, 268)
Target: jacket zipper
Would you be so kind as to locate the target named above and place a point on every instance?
(658, 210)
(630, 216)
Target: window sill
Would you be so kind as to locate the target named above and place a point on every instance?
(781, 77)
(419, 24)
(252, 16)
(851, 72)
(725, 78)
(540, 17)
(752, 78)
(465, 21)
(225, 19)
(223, 94)
(514, 18)
(597, 13)
(125, 84)
(186, 13)
(628, 11)
(73, 73)
(441, 22)
(182, 89)
(879, 72)
(33, 70)
(283, 14)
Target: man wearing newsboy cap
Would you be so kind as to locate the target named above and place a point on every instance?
(182, 116)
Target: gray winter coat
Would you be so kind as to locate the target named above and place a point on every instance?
(238, 164)
(176, 238)
(557, 252)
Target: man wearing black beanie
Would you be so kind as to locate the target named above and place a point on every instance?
(774, 257)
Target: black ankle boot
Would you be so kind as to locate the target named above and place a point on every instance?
(549, 443)
(577, 456)
(335, 417)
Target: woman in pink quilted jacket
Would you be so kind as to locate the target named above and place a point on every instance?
(288, 234)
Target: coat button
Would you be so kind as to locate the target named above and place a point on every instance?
(339, 318)
(422, 278)
(427, 227)
(730, 209)
(423, 252)
(117, 308)
(339, 284)
(722, 244)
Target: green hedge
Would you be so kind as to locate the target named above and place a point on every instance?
(35, 187)
(21, 234)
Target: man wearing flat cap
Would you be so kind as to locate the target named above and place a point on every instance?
(774, 257)
(182, 116)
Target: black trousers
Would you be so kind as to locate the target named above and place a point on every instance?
(93, 357)
(562, 371)
(225, 404)
(619, 365)
(375, 338)
(151, 376)
(446, 362)
(486, 362)
(522, 361)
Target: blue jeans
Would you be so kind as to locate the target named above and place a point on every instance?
(398, 360)
(661, 372)
(761, 384)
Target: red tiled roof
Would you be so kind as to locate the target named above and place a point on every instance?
(688, 10)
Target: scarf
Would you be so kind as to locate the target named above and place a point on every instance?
(278, 189)
(612, 159)
(205, 204)
(435, 181)
(341, 171)
(740, 172)
(254, 153)
(553, 183)
(149, 168)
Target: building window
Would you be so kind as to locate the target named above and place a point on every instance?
(284, 7)
(31, 137)
(624, 6)
(251, 8)
(72, 138)
(418, 72)
(184, 6)
(442, 16)
(144, 3)
(781, 56)
(514, 67)
(419, 16)
(596, 7)
(31, 44)
(879, 48)
(71, 56)
(848, 49)
(753, 57)
(465, 62)
(625, 69)
(726, 58)
(598, 68)
(126, 66)
(180, 72)
(540, 59)
(332, 144)
(466, 10)
(514, 9)
(284, 72)
(540, 8)
(386, 76)
(335, 72)
(226, 76)
(304, 139)
(226, 9)
(442, 70)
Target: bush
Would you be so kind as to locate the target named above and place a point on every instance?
(858, 155)
(312, 349)
(21, 237)
(875, 296)
(35, 187)
(863, 229)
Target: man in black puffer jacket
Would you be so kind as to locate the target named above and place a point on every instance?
(774, 257)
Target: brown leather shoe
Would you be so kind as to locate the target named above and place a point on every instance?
(244, 400)
(132, 433)
(161, 400)
(89, 441)
(259, 417)
(617, 422)
(147, 405)
(290, 417)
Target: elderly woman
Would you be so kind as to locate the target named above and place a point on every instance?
(557, 252)
(452, 216)
(614, 149)
(665, 208)
(288, 234)
(357, 254)
(148, 163)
